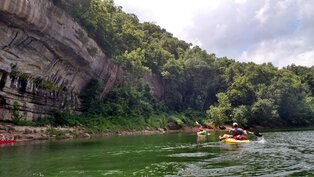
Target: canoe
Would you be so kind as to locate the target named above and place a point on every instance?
(7, 141)
(234, 141)
(202, 133)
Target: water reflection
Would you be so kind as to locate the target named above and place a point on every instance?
(201, 138)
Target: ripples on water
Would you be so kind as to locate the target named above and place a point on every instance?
(277, 154)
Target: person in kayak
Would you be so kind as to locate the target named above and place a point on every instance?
(199, 127)
(236, 133)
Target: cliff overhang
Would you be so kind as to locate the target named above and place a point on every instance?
(46, 59)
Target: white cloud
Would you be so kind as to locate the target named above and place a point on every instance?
(174, 15)
(280, 52)
(262, 15)
(278, 31)
(240, 1)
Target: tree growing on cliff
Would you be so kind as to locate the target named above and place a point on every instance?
(16, 115)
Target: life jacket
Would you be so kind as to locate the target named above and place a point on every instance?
(238, 133)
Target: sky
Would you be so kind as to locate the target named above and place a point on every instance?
(276, 31)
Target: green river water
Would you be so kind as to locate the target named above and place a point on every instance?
(171, 154)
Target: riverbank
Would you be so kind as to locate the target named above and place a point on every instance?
(29, 133)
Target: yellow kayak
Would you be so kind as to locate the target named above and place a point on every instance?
(234, 141)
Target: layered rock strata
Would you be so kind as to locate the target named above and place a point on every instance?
(46, 59)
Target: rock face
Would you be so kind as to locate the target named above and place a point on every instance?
(156, 83)
(46, 59)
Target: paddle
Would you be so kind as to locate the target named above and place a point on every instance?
(254, 133)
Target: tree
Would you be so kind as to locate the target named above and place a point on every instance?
(240, 115)
(290, 95)
(135, 60)
(241, 92)
(248, 93)
(91, 101)
(221, 113)
(264, 112)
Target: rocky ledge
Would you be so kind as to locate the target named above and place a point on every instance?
(28, 133)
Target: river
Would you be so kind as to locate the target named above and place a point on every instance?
(171, 155)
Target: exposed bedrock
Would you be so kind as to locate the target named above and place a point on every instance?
(46, 59)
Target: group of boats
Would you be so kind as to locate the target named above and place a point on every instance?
(238, 136)
(225, 140)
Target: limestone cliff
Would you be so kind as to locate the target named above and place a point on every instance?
(46, 59)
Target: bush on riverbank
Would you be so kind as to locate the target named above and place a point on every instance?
(116, 123)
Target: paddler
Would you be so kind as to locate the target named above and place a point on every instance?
(236, 132)
(199, 127)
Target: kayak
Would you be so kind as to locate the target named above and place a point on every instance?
(7, 141)
(202, 133)
(235, 141)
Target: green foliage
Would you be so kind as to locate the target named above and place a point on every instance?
(129, 101)
(23, 122)
(264, 95)
(65, 118)
(240, 115)
(179, 120)
(221, 113)
(91, 102)
(157, 121)
(17, 118)
(135, 59)
(44, 121)
(191, 78)
(49, 86)
(81, 36)
(241, 91)
(306, 75)
(264, 111)
(55, 132)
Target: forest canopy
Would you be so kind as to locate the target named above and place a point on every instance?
(220, 90)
